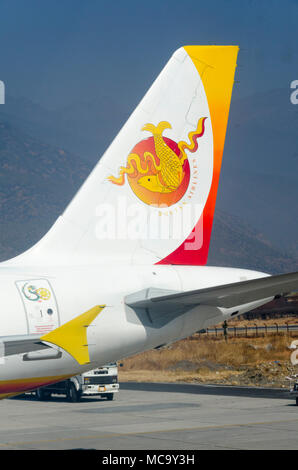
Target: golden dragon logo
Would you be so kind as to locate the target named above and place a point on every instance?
(157, 168)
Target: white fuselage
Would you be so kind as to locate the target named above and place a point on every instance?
(118, 331)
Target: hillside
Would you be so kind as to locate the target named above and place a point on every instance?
(37, 181)
(259, 174)
(236, 244)
(82, 128)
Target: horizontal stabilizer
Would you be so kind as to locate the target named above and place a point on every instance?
(72, 336)
(227, 296)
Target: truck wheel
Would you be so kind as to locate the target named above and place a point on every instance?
(297, 401)
(110, 396)
(72, 393)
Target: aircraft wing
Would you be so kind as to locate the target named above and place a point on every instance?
(227, 295)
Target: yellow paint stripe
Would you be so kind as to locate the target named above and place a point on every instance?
(72, 336)
(216, 67)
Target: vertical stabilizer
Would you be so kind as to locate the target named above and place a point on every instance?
(151, 197)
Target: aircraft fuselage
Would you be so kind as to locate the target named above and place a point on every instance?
(36, 300)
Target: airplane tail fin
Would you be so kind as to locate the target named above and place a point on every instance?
(151, 197)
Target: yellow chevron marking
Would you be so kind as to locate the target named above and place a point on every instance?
(72, 336)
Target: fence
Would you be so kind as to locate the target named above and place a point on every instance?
(255, 330)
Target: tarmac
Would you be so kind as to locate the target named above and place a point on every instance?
(154, 417)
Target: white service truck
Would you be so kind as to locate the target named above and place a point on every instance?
(102, 381)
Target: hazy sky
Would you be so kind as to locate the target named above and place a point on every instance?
(55, 52)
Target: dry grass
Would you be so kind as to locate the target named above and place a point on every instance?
(181, 376)
(212, 360)
(234, 352)
(239, 322)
